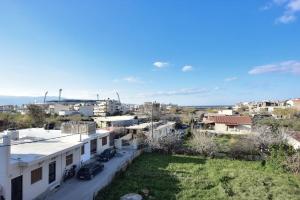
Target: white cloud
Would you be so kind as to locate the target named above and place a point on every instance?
(187, 68)
(231, 79)
(290, 66)
(290, 10)
(129, 79)
(160, 64)
(132, 79)
(180, 92)
(286, 19)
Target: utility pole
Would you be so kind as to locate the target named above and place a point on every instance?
(45, 96)
(152, 121)
(59, 95)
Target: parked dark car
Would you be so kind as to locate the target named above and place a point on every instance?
(88, 171)
(106, 155)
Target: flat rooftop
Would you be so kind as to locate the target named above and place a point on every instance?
(36, 143)
(115, 118)
(146, 125)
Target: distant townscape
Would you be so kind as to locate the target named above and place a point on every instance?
(44, 145)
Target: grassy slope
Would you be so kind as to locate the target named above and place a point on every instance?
(188, 177)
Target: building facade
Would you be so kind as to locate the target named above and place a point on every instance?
(36, 162)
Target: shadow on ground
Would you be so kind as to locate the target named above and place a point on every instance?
(149, 173)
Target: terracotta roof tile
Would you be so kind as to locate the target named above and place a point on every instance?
(233, 120)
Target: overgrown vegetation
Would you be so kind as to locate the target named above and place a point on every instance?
(291, 124)
(36, 117)
(194, 177)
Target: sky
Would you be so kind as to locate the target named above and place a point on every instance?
(172, 51)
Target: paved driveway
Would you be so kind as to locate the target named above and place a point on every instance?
(84, 190)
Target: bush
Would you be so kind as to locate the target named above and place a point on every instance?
(203, 143)
(168, 144)
(279, 154)
(292, 163)
(243, 149)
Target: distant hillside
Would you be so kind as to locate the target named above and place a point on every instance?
(19, 100)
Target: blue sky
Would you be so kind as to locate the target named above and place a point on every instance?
(186, 52)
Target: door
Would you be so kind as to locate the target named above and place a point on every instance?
(94, 146)
(52, 172)
(17, 188)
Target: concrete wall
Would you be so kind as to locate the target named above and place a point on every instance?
(121, 123)
(239, 128)
(87, 111)
(32, 191)
(220, 127)
(4, 167)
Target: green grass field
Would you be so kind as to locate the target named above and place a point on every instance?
(189, 177)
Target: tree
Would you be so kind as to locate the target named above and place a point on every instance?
(37, 115)
(286, 113)
(203, 143)
(264, 137)
(168, 144)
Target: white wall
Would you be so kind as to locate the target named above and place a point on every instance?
(220, 127)
(87, 152)
(31, 191)
(4, 167)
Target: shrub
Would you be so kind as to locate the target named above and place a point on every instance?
(203, 143)
(292, 163)
(279, 154)
(168, 144)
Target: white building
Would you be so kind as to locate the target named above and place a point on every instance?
(225, 112)
(57, 107)
(35, 163)
(107, 107)
(152, 109)
(137, 134)
(84, 109)
(294, 103)
(116, 121)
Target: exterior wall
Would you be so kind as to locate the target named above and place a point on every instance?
(4, 167)
(107, 107)
(87, 152)
(238, 128)
(55, 108)
(163, 131)
(121, 123)
(32, 191)
(87, 111)
(225, 112)
(244, 128)
(101, 148)
(220, 127)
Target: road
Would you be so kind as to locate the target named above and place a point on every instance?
(84, 190)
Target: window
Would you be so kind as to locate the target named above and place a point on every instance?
(82, 149)
(69, 159)
(36, 175)
(94, 146)
(104, 141)
(52, 172)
